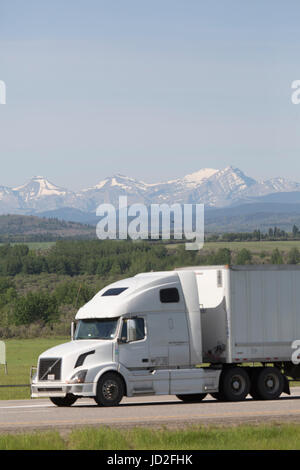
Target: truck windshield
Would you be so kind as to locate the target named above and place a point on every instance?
(96, 329)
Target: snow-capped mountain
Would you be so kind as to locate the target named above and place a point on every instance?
(39, 193)
(212, 187)
(10, 200)
(39, 187)
(194, 179)
(109, 190)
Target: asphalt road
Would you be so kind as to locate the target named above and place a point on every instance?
(21, 415)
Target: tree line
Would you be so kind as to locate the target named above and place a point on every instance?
(112, 258)
(95, 257)
(75, 263)
(272, 234)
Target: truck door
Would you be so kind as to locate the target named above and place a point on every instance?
(133, 345)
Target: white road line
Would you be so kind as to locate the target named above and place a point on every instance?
(11, 407)
(25, 412)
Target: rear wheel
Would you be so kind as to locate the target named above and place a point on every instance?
(267, 384)
(110, 390)
(192, 398)
(68, 400)
(234, 384)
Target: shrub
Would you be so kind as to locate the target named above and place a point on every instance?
(244, 257)
(74, 293)
(293, 256)
(276, 257)
(222, 256)
(35, 306)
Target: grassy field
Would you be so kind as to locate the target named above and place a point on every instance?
(35, 245)
(255, 247)
(262, 437)
(40, 245)
(21, 354)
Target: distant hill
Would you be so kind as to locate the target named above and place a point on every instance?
(27, 228)
(249, 217)
(271, 211)
(71, 214)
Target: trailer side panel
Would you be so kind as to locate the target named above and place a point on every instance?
(265, 312)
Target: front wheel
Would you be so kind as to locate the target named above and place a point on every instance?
(110, 390)
(192, 398)
(68, 400)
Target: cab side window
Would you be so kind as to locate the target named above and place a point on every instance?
(139, 329)
(169, 295)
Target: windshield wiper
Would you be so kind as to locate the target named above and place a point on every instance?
(91, 337)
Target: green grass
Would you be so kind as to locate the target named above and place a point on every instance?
(254, 247)
(40, 245)
(35, 245)
(32, 441)
(21, 354)
(250, 437)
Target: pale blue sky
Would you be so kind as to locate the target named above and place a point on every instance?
(150, 89)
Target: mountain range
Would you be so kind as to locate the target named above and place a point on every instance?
(226, 193)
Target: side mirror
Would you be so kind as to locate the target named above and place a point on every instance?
(73, 325)
(131, 330)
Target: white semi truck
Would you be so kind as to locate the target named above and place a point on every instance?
(228, 331)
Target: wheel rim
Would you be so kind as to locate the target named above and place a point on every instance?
(238, 384)
(271, 383)
(110, 390)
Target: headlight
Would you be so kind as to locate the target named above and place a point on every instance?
(77, 378)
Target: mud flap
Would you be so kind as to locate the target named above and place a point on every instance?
(286, 387)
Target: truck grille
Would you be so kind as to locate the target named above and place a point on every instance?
(50, 368)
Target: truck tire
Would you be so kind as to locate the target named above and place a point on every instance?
(193, 398)
(234, 384)
(68, 400)
(268, 384)
(110, 390)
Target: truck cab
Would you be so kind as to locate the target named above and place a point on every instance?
(138, 336)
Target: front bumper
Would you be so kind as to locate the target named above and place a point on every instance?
(60, 389)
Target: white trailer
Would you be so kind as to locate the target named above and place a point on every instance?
(224, 330)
